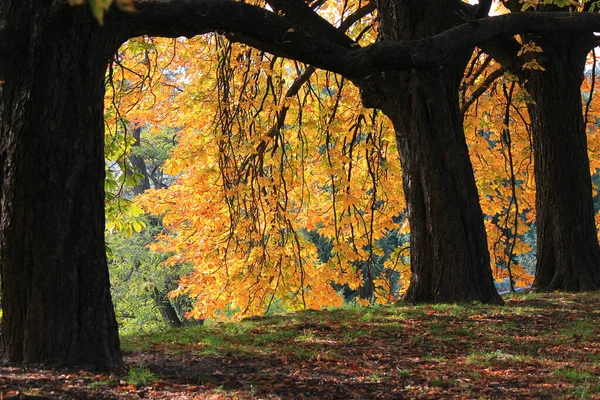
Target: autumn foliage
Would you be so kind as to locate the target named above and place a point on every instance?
(269, 150)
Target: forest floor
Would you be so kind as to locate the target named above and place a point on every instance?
(535, 346)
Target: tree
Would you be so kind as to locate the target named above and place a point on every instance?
(56, 300)
(449, 256)
(568, 253)
(450, 264)
(55, 290)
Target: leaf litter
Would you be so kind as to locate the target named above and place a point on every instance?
(535, 346)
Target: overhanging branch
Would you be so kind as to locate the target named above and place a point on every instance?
(299, 13)
(271, 32)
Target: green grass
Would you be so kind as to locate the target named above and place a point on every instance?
(99, 385)
(586, 390)
(574, 375)
(578, 330)
(218, 338)
(435, 358)
(369, 315)
(417, 340)
(306, 336)
(465, 332)
(527, 347)
(375, 377)
(299, 352)
(403, 372)
(140, 376)
(441, 383)
(352, 334)
(430, 346)
(497, 358)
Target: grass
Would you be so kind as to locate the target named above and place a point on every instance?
(582, 329)
(435, 358)
(442, 383)
(586, 390)
(375, 377)
(306, 336)
(573, 375)
(237, 338)
(140, 376)
(531, 347)
(403, 372)
(497, 358)
(299, 352)
(99, 385)
(584, 383)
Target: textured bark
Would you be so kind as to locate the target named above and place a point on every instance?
(55, 289)
(568, 254)
(449, 255)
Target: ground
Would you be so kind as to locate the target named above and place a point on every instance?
(536, 346)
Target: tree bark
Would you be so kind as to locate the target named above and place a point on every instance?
(568, 254)
(55, 287)
(139, 164)
(448, 244)
(168, 313)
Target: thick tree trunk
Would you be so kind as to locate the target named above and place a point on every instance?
(568, 254)
(55, 289)
(449, 254)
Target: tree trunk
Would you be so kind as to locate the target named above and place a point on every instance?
(55, 286)
(139, 164)
(448, 244)
(168, 313)
(568, 254)
(160, 297)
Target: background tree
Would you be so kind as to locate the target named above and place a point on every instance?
(332, 150)
(568, 254)
(568, 251)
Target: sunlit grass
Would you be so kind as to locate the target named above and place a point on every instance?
(532, 331)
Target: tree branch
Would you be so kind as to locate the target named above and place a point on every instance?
(299, 13)
(273, 33)
(357, 15)
(481, 90)
(483, 8)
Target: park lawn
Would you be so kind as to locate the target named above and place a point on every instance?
(535, 346)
